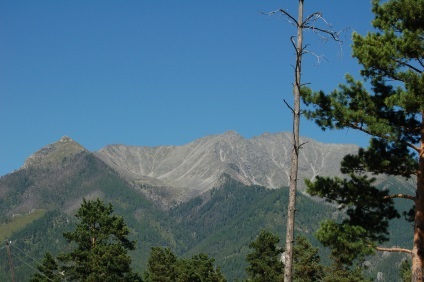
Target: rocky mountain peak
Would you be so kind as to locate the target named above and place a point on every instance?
(54, 153)
(189, 170)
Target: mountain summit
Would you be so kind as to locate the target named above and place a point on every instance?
(189, 170)
(54, 153)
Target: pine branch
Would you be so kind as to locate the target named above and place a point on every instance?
(394, 250)
(360, 128)
(420, 61)
(402, 196)
(417, 70)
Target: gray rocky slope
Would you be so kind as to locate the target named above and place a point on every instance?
(182, 172)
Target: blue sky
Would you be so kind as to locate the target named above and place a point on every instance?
(158, 72)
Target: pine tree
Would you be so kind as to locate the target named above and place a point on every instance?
(265, 259)
(102, 243)
(164, 265)
(306, 261)
(199, 268)
(392, 113)
(161, 265)
(48, 270)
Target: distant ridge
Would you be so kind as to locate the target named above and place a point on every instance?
(189, 170)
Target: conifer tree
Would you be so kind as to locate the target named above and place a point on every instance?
(200, 268)
(48, 270)
(161, 265)
(265, 259)
(164, 265)
(389, 108)
(306, 261)
(102, 243)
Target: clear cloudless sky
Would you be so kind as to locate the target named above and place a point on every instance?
(156, 72)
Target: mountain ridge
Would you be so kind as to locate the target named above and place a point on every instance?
(189, 170)
(172, 174)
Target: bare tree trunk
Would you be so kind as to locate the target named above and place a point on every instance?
(295, 150)
(12, 271)
(417, 249)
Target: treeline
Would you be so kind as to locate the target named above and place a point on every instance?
(98, 249)
(221, 224)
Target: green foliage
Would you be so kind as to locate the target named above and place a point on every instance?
(361, 200)
(306, 261)
(48, 270)
(101, 245)
(220, 223)
(265, 259)
(224, 222)
(405, 271)
(343, 274)
(389, 109)
(163, 266)
(347, 242)
(200, 268)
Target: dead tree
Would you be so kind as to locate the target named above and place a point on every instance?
(310, 23)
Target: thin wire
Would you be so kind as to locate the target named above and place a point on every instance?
(31, 267)
(33, 260)
(26, 254)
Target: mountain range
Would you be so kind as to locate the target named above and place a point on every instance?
(192, 169)
(212, 195)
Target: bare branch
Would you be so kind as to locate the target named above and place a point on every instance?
(334, 34)
(294, 43)
(394, 250)
(313, 17)
(289, 16)
(304, 143)
(291, 20)
(319, 57)
(307, 24)
(319, 16)
(288, 106)
(402, 196)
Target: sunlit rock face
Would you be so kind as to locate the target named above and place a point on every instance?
(189, 170)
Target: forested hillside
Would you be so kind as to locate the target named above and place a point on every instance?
(59, 190)
(220, 223)
(38, 203)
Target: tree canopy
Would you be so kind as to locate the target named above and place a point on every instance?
(48, 270)
(265, 258)
(101, 245)
(164, 265)
(306, 261)
(388, 105)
